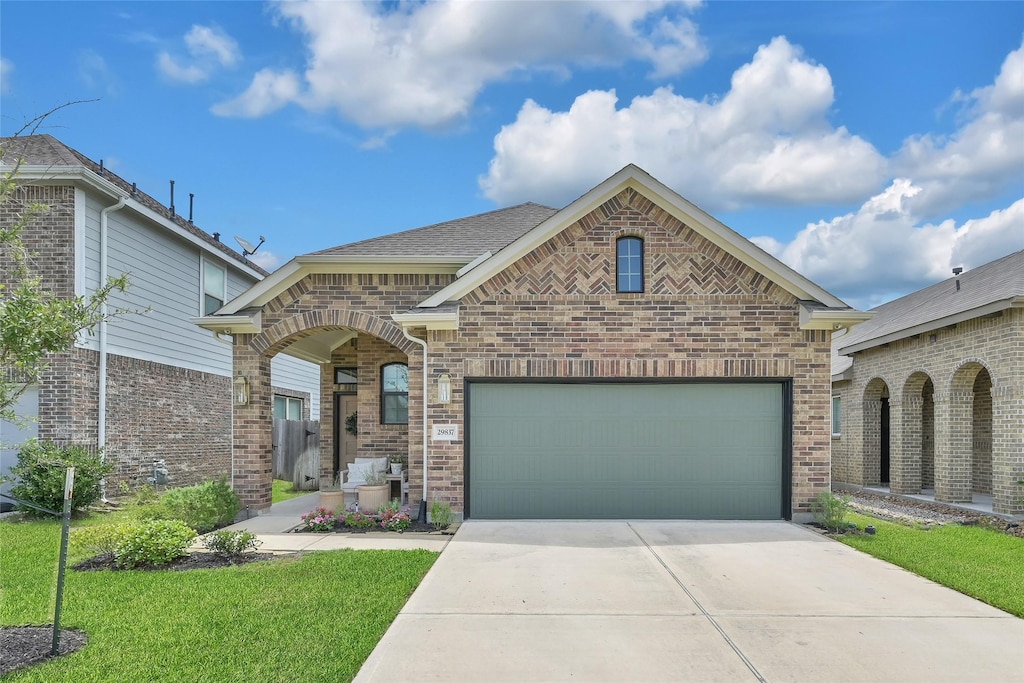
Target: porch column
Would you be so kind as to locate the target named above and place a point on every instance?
(416, 408)
(253, 453)
(1007, 450)
(954, 412)
(905, 445)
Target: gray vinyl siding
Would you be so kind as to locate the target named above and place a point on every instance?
(164, 293)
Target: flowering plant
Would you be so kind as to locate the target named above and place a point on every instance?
(394, 519)
(357, 520)
(318, 519)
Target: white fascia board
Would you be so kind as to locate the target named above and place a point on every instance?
(231, 324)
(932, 325)
(694, 217)
(309, 264)
(448, 320)
(84, 175)
(473, 264)
(830, 318)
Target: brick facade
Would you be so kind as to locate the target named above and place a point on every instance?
(555, 313)
(956, 413)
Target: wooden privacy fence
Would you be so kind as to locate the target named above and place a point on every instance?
(297, 453)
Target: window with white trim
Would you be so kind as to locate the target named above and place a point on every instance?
(287, 408)
(837, 415)
(629, 264)
(214, 285)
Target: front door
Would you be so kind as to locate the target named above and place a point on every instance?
(345, 442)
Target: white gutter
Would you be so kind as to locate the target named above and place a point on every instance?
(101, 424)
(423, 344)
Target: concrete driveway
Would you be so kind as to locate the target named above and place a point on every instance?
(684, 601)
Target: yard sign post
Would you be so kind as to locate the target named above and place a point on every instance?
(69, 485)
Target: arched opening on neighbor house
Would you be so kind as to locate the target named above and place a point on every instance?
(914, 469)
(876, 433)
(970, 434)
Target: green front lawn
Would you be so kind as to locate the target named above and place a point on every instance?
(282, 490)
(315, 618)
(985, 564)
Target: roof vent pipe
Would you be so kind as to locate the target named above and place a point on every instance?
(172, 199)
(957, 271)
(102, 170)
(191, 196)
(135, 189)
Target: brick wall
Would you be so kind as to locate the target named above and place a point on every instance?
(957, 422)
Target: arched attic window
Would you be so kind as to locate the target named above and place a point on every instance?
(394, 394)
(629, 264)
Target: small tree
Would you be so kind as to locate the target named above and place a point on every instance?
(34, 322)
(830, 510)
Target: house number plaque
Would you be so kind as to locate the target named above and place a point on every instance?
(445, 433)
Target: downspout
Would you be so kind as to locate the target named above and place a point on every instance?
(101, 409)
(423, 344)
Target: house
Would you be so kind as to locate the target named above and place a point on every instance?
(928, 396)
(149, 385)
(627, 356)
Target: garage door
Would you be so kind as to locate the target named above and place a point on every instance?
(625, 451)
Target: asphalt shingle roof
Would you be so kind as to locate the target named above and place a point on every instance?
(470, 236)
(46, 150)
(998, 280)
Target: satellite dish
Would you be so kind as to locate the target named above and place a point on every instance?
(247, 247)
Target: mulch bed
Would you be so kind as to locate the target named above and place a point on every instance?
(195, 560)
(415, 527)
(27, 645)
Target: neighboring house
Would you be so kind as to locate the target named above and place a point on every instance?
(928, 396)
(166, 392)
(628, 356)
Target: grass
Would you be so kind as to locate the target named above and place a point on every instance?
(983, 563)
(282, 490)
(315, 618)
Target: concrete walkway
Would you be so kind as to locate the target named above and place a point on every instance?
(272, 528)
(684, 601)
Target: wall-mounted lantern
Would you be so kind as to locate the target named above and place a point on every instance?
(444, 388)
(241, 391)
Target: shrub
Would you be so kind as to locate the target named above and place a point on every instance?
(830, 510)
(394, 519)
(41, 471)
(440, 514)
(203, 507)
(318, 519)
(231, 544)
(102, 539)
(157, 542)
(357, 520)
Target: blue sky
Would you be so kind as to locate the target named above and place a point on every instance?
(872, 146)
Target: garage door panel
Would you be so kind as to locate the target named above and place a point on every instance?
(644, 451)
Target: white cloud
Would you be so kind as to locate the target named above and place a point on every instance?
(981, 158)
(884, 250)
(425, 64)
(269, 91)
(6, 69)
(95, 73)
(766, 140)
(209, 48)
(267, 260)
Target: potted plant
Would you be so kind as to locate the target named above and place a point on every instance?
(397, 462)
(374, 492)
(331, 495)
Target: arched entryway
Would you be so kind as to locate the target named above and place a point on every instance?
(913, 466)
(876, 436)
(964, 459)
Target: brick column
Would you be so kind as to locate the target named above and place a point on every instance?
(953, 415)
(253, 452)
(1007, 450)
(905, 447)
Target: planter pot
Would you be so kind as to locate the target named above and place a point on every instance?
(372, 497)
(333, 500)
(396, 468)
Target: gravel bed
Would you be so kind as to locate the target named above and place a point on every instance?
(911, 511)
